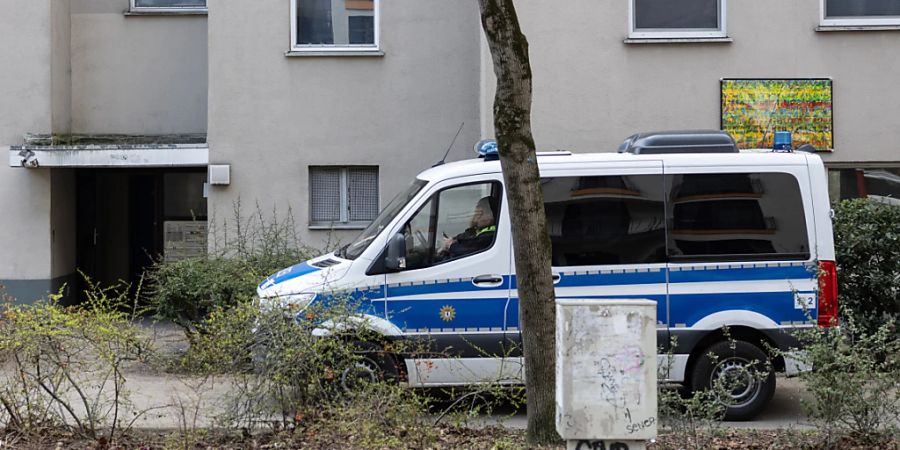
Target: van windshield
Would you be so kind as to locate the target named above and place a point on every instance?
(359, 245)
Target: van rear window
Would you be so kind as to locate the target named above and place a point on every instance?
(736, 216)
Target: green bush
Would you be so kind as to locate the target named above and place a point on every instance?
(187, 291)
(242, 253)
(280, 370)
(853, 382)
(867, 246)
(64, 366)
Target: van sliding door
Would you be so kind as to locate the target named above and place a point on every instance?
(607, 230)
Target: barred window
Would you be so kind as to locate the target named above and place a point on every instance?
(343, 196)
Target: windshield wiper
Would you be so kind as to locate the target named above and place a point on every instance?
(340, 251)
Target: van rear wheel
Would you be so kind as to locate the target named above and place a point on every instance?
(741, 371)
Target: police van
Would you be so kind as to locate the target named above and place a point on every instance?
(735, 247)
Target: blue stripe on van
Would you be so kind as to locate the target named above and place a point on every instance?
(448, 287)
(684, 309)
(297, 270)
(688, 309)
(659, 299)
(471, 314)
(611, 279)
(740, 274)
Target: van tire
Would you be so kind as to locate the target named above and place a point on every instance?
(374, 365)
(739, 359)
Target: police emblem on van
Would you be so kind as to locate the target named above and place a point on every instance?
(447, 313)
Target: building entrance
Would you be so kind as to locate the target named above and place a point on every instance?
(129, 218)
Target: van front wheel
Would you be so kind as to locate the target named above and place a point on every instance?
(740, 371)
(372, 365)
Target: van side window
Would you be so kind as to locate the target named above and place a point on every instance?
(455, 222)
(596, 220)
(736, 216)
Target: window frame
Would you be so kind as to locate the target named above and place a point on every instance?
(344, 221)
(335, 48)
(133, 7)
(858, 21)
(672, 33)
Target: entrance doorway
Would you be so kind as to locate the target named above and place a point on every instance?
(123, 216)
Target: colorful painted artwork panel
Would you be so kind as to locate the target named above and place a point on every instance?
(754, 109)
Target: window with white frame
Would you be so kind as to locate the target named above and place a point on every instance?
(334, 25)
(168, 5)
(342, 196)
(860, 12)
(676, 19)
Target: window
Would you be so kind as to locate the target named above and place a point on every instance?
(343, 196)
(879, 184)
(334, 25)
(737, 216)
(860, 12)
(455, 223)
(677, 19)
(168, 5)
(605, 219)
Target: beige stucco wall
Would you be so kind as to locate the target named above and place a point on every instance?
(137, 74)
(25, 105)
(272, 116)
(591, 90)
(61, 66)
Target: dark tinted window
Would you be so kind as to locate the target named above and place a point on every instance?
(362, 29)
(857, 8)
(605, 219)
(736, 216)
(675, 14)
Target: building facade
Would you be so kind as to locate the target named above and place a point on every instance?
(132, 125)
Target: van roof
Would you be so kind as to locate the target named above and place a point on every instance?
(561, 159)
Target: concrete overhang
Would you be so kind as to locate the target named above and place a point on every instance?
(110, 151)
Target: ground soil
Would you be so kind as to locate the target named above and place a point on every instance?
(445, 437)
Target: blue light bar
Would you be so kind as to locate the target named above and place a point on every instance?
(783, 142)
(487, 149)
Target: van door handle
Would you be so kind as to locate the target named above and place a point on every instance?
(486, 281)
(556, 278)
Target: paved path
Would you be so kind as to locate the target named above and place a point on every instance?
(784, 411)
(173, 402)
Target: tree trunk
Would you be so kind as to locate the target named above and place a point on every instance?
(531, 243)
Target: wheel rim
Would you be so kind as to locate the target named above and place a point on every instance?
(362, 373)
(741, 381)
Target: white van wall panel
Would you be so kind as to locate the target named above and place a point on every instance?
(591, 90)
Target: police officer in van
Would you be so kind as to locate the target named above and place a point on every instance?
(477, 237)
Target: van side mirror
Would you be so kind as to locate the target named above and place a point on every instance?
(396, 253)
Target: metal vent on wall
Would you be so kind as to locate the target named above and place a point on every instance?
(363, 193)
(325, 194)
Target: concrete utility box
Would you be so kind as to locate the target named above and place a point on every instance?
(606, 373)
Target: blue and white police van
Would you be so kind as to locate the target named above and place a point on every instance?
(735, 247)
